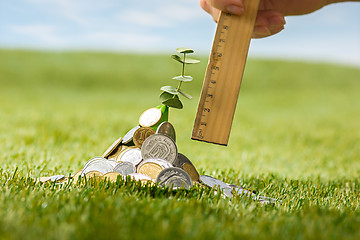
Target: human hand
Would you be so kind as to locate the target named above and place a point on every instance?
(270, 18)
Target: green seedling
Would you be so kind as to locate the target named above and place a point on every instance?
(170, 94)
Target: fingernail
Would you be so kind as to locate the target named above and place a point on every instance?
(234, 9)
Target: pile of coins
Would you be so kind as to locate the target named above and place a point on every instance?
(148, 153)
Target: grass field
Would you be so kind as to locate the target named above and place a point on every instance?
(295, 137)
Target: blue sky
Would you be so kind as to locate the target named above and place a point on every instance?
(330, 34)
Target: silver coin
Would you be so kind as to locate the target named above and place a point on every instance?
(161, 162)
(93, 160)
(129, 135)
(112, 162)
(139, 176)
(167, 129)
(125, 168)
(159, 146)
(102, 166)
(174, 178)
(132, 155)
(56, 178)
(213, 182)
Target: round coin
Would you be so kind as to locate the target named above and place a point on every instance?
(43, 179)
(123, 150)
(140, 176)
(112, 148)
(125, 168)
(77, 176)
(100, 165)
(174, 178)
(56, 178)
(93, 160)
(132, 155)
(213, 182)
(94, 174)
(150, 117)
(112, 176)
(151, 169)
(141, 134)
(116, 152)
(159, 146)
(168, 129)
(184, 163)
(191, 170)
(129, 135)
(112, 162)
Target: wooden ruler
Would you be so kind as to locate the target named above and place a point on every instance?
(223, 76)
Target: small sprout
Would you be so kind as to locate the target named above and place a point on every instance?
(188, 96)
(183, 78)
(184, 50)
(170, 89)
(174, 103)
(170, 95)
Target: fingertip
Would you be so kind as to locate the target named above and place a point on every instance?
(234, 9)
(261, 32)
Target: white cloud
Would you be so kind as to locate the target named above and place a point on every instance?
(123, 41)
(41, 33)
(143, 18)
(180, 12)
(74, 11)
(162, 15)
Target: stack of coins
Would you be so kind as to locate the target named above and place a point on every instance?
(148, 153)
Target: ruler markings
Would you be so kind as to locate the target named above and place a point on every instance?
(223, 76)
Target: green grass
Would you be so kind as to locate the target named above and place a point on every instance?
(295, 137)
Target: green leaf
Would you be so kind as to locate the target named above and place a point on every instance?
(174, 103)
(184, 50)
(188, 96)
(191, 61)
(177, 58)
(183, 78)
(170, 89)
(187, 60)
(165, 96)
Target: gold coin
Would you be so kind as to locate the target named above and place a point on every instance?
(43, 179)
(112, 176)
(116, 152)
(190, 169)
(94, 174)
(141, 134)
(150, 169)
(62, 180)
(150, 117)
(112, 148)
(76, 175)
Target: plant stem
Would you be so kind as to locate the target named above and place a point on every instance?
(183, 66)
(182, 72)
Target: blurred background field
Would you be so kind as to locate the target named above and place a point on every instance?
(92, 67)
(295, 138)
(59, 109)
